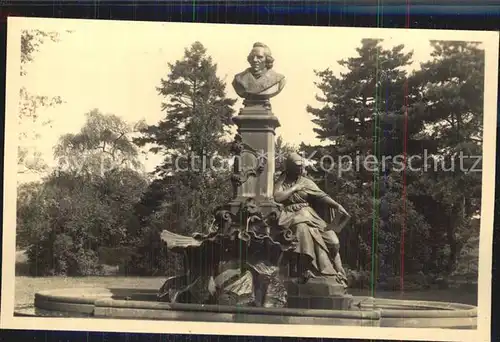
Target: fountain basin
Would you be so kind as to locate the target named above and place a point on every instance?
(142, 304)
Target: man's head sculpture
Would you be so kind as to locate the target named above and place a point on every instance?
(260, 59)
(259, 82)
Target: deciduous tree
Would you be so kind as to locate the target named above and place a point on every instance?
(104, 143)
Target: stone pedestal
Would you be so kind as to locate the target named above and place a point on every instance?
(318, 293)
(256, 130)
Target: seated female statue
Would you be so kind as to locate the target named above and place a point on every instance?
(318, 245)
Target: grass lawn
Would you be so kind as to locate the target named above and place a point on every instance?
(26, 287)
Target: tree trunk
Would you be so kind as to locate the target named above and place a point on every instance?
(432, 266)
(452, 242)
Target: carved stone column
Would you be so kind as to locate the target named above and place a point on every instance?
(254, 166)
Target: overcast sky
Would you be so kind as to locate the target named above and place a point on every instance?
(115, 67)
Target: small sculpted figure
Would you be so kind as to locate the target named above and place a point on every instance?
(259, 82)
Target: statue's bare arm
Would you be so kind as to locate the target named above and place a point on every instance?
(281, 194)
(334, 204)
(327, 199)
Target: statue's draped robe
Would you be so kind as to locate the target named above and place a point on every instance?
(299, 214)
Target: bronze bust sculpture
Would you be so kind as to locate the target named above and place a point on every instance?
(259, 82)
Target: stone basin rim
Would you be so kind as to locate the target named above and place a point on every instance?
(370, 308)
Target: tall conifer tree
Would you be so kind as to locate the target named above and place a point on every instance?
(452, 86)
(362, 116)
(192, 139)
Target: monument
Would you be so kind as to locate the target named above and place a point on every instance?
(273, 253)
(271, 248)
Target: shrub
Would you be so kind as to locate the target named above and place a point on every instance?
(150, 256)
(60, 256)
(73, 216)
